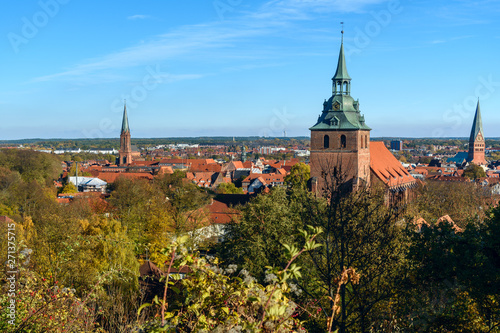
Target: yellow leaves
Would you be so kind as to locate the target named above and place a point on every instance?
(84, 224)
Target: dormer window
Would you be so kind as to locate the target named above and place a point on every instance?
(334, 121)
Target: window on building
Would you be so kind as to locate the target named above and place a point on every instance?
(326, 141)
(343, 141)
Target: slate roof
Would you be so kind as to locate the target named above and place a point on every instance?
(125, 127)
(477, 126)
(459, 158)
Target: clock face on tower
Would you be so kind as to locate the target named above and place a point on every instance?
(479, 137)
(336, 106)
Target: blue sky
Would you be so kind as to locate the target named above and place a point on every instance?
(242, 68)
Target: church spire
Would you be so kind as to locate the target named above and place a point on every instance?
(477, 125)
(341, 79)
(476, 140)
(125, 127)
(341, 73)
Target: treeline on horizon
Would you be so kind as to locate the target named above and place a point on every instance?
(114, 143)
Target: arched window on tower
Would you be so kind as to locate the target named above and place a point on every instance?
(326, 141)
(343, 141)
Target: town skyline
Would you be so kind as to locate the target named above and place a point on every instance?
(234, 68)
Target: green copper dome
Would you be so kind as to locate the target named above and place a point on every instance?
(341, 111)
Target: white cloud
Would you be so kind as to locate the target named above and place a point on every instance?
(138, 17)
(273, 16)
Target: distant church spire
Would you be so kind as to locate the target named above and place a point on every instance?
(477, 125)
(125, 127)
(476, 140)
(125, 152)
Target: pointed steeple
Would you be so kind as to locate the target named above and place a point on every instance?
(477, 125)
(341, 73)
(341, 79)
(125, 127)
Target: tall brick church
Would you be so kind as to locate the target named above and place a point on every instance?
(127, 153)
(341, 148)
(340, 138)
(476, 140)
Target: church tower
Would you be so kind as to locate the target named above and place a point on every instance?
(125, 152)
(340, 138)
(476, 140)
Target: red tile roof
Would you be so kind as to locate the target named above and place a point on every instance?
(266, 177)
(238, 165)
(110, 177)
(6, 219)
(247, 164)
(386, 167)
(220, 213)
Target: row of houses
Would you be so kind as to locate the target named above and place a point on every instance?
(254, 176)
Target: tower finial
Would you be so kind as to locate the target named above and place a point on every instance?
(342, 32)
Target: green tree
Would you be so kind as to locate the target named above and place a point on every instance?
(299, 175)
(473, 171)
(219, 300)
(229, 188)
(460, 200)
(425, 160)
(360, 232)
(69, 188)
(256, 240)
(31, 165)
(145, 211)
(452, 285)
(102, 255)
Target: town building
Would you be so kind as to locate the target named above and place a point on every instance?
(340, 138)
(397, 145)
(127, 152)
(88, 184)
(341, 152)
(476, 140)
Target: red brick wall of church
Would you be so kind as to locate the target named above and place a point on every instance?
(353, 160)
